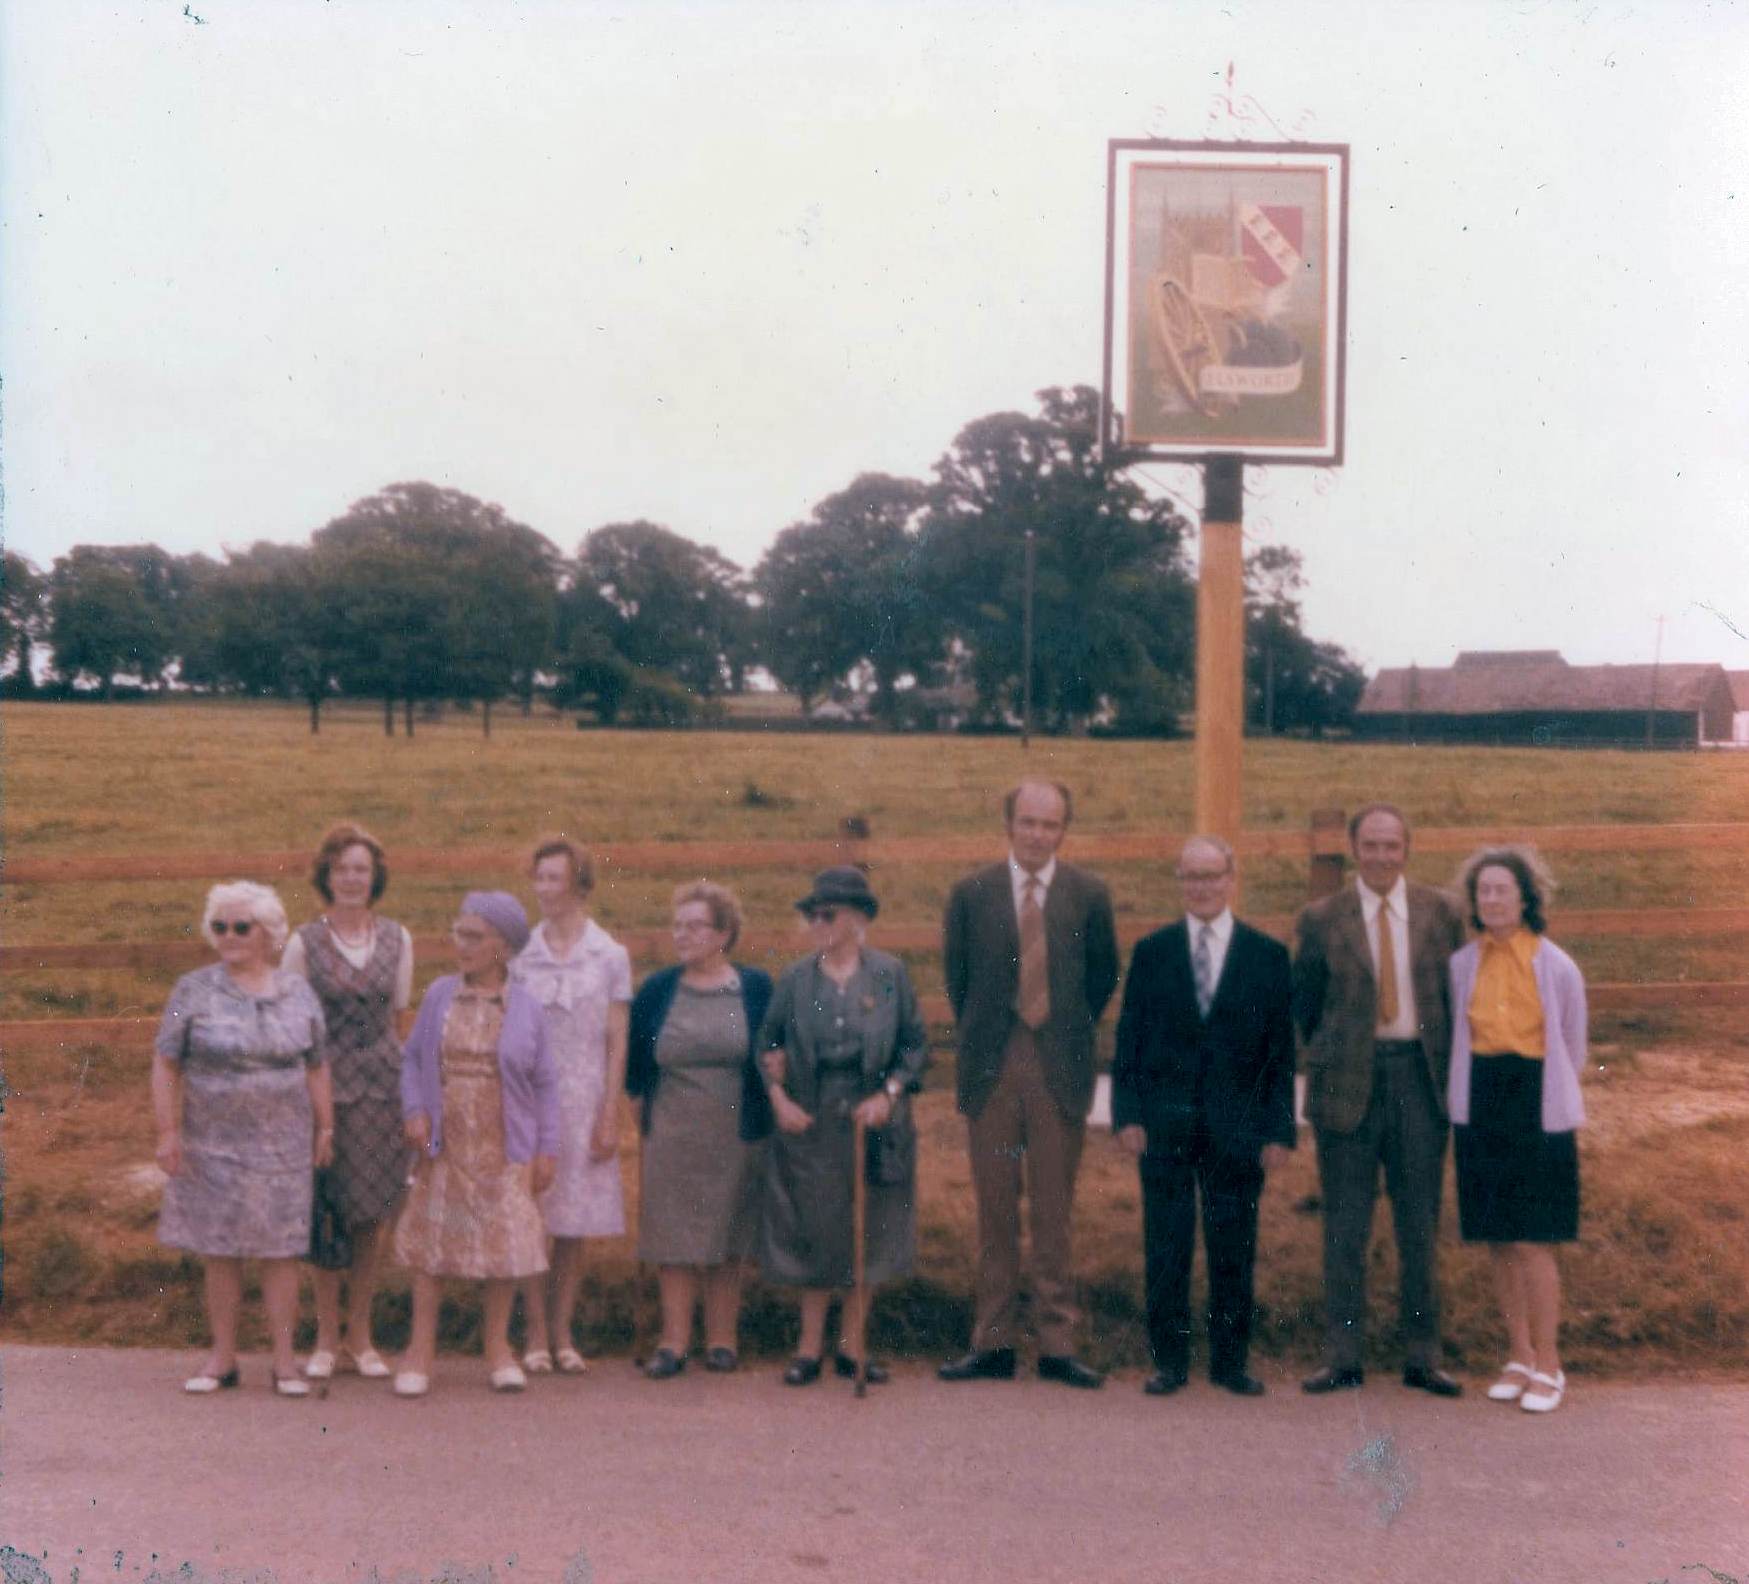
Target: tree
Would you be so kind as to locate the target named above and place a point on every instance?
(111, 609)
(435, 595)
(272, 626)
(841, 590)
(1114, 608)
(680, 607)
(1292, 681)
(23, 617)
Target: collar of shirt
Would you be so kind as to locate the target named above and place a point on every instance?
(1017, 878)
(591, 940)
(1371, 901)
(1220, 928)
(1521, 946)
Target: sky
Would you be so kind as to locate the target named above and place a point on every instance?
(704, 263)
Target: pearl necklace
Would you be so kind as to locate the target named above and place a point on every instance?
(355, 945)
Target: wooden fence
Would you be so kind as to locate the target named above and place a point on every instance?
(1322, 847)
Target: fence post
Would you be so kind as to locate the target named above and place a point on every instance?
(1324, 872)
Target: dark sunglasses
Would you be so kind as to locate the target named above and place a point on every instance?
(241, 927)
(823, 915)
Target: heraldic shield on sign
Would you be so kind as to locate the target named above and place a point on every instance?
(1225, 300)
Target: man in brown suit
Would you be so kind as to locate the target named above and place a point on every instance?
(1372, 1004)
(1031, 961)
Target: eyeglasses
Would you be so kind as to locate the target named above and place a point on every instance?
(232, 927)
(823, 915)
(1202, 876)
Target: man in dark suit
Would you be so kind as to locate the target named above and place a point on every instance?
(1372, 1002)
(1202, 1092)
(1031, 961)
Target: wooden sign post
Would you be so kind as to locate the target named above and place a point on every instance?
(1220, 650)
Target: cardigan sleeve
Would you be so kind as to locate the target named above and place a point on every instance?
(911, 1042)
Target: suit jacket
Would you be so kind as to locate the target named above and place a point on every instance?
(981, 951)
(1336, 999)
(1228, 1077)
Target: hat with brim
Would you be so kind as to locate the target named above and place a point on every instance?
(844, 885)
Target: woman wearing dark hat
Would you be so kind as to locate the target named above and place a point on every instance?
(480, 1099)
(845, 1041)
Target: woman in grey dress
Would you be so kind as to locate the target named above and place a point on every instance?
(361, 968)
(241, 1098)
(690, 1058)
(844, 1041)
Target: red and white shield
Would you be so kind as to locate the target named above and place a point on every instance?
(1271, 238)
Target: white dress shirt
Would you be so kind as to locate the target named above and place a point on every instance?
(1406, 1026)
(1018, 877)
(1220, 936)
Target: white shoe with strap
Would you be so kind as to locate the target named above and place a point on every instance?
(1513, 1379)
(1544, 1393)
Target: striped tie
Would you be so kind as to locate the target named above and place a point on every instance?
(1204, 966)
(1034, 1003)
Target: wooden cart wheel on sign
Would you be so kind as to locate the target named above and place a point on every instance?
(1190, 346)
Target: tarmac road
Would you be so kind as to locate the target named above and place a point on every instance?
(107, 1472)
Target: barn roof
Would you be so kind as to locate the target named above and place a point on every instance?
(1500, 682)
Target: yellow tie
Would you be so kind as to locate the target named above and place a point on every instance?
(1387, 969)
(1035, 983)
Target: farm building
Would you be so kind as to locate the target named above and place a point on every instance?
(1740, 707)
(1532, 696)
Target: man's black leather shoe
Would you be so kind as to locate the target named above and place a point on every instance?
(1424, 1377)
(1239, 1384)
(1162, 1383)
(1069, 1370)
(1329, 1380)
(991, 1364)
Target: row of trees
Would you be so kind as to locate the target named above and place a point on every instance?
(894, 586)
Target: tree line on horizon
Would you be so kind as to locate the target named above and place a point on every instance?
(895, 588)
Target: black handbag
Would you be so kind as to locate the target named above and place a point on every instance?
(330, 1239)
(892, 1154)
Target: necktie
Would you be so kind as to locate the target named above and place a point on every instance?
(1387, 969)
(1035, 988)
(1203, 964)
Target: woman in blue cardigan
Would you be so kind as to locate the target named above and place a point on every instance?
(480, 1102)
(690, 1058)
(1518, 1048)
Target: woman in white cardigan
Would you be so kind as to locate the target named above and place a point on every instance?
(1518, 1048)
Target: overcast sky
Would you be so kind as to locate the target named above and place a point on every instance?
(704, 263)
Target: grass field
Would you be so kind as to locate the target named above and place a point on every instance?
(1658, 1280)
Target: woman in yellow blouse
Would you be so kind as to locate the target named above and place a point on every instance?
(1518, 1048)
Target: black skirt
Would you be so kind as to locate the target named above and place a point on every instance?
(1516, 1183)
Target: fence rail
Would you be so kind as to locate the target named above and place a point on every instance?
(1322, 847)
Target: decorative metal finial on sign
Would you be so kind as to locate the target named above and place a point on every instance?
(1241, 117)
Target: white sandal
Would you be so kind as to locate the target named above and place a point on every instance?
(1544, 1393)
(410, 1383)
(570, 1361)
(1507, 1390)
(320, 1365)
(538, 1361)
(369, 1363)
(507, 1378)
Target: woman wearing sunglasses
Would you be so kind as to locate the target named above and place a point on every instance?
(241, 1098)
(844, 1042)
(480, 1099)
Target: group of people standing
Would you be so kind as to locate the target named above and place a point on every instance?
(486, 1146)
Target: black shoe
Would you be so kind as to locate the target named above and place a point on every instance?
(1424, 1377)
(665, 1365)
(802, 1371)
(1069, 1370)
(990, 1364)
(722, 1361)
(1331, 1378)
(844, 1367)
(1238, 1383)
(1162, 1383)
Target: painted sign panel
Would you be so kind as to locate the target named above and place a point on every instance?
(1225, 300)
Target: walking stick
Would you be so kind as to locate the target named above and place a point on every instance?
(858, 1257)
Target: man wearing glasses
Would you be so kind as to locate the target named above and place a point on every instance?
(1202, 1094)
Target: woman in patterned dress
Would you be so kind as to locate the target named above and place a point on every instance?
(480, 1100)
(240, 1095)
(361, 968)
(582, 978)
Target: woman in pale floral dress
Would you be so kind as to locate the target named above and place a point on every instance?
(481, 1103)
(582, 978)
(240, 1095)
(361, 968)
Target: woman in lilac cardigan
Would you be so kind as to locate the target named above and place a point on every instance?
(1518, 1049)
(480, 1099)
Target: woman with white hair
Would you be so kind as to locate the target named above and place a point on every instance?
(241, 1096)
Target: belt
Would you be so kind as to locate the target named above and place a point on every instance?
(1397, 1047)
